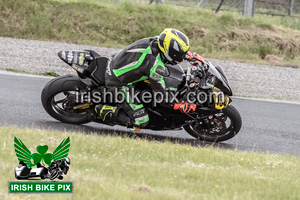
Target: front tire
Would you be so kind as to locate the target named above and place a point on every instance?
(227, 133)
(63, 85)
(54, 174)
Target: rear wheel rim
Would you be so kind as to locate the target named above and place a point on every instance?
(60, 104)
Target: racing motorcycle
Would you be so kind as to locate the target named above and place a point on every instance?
(215, 120)
(57, 168)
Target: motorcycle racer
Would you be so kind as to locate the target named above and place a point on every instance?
(145, 59)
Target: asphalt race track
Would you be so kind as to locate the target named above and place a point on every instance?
(268, 126)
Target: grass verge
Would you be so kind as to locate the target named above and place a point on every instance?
(113, 167)
(223, 36)
(11, 69)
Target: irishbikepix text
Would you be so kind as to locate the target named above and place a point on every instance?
(121, 94)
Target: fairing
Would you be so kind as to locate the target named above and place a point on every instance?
(221, 80)
(173, 76)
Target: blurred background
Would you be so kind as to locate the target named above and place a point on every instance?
(268, 7)
(253, 31)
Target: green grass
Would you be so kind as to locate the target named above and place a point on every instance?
(113, 167)
(54, 74)
(103, 23)
(11, 69)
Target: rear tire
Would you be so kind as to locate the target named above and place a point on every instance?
(235, 126)
(59, 85)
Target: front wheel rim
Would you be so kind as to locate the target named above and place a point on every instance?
(213, 133)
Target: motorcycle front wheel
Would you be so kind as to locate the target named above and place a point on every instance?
(222, 126)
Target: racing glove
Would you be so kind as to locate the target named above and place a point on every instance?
(192, 57)
(185, 107)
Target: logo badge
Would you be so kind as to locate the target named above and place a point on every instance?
(43, 165)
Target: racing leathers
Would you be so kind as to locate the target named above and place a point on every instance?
(139, 61)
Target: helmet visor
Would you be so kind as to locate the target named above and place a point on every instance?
(177, 56)
(176, 52)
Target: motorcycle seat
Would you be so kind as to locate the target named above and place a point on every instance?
(99, 72)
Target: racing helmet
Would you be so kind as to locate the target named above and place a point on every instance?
(68, 160)
(173, 44)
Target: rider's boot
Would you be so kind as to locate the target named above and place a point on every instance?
(107, 113)
(113, 115)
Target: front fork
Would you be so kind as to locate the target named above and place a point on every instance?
(204, 116)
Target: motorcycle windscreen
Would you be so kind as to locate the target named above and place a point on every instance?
(220, 81)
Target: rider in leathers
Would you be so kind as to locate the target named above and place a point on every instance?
(144, 59)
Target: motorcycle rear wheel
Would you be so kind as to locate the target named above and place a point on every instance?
(62, 87)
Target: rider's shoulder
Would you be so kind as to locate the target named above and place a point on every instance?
(139, 44)
(154, 46)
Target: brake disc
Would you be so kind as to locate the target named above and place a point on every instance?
(217, 126)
